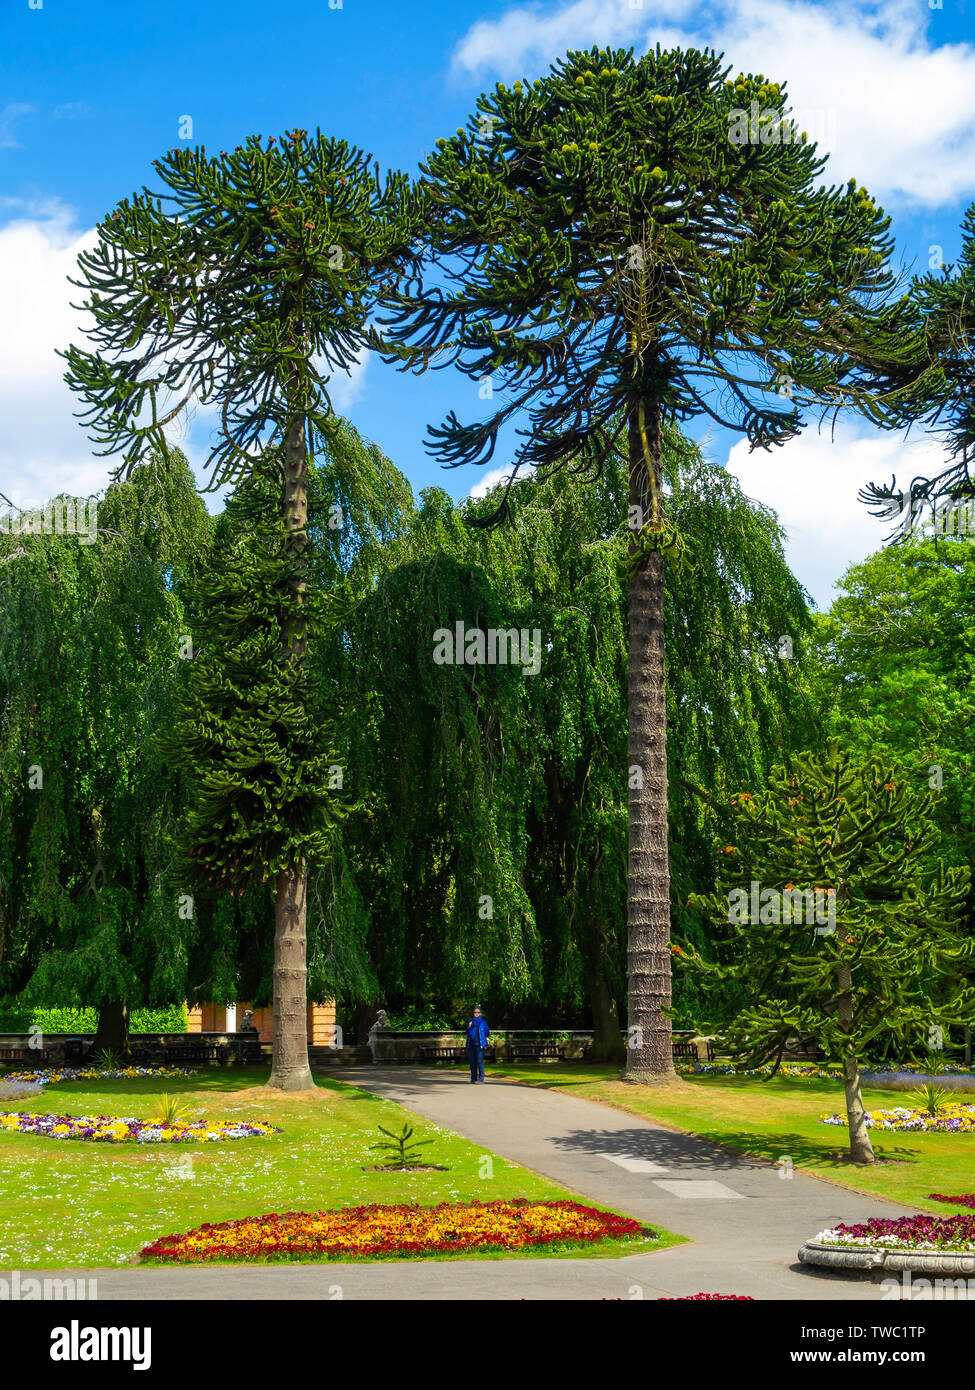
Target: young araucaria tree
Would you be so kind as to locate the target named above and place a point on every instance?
(838, 922)
(245, 286)
(629, 241)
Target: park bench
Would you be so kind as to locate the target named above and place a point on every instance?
(450, 1054)
(23, 1054)
(247, 1050)
(685, 1048)
(191, 1052)
(535, 1051)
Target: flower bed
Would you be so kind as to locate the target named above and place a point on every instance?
(955, 1117)
(921, 1232)
(403, 1229)
(708, 1298)
(53, 1074)
(792, 1069)
(112, 1129)
(802, 1069)
(967, 1199)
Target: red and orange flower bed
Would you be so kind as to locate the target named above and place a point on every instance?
(403, 1230)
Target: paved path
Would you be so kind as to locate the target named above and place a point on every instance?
(745, 1223)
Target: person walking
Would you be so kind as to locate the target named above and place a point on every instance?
(478, 1033)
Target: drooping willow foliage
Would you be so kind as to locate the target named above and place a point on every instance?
(89, 641)
(490, 850)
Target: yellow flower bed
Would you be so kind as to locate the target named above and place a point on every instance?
(404, 1229)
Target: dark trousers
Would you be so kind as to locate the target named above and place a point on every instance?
(475, 1055)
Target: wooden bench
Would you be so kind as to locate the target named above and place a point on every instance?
(534, 1052)
(23, 1054)
(191, 1052)
(451, 1054)
(682, 1048)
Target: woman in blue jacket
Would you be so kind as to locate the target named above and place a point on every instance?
(477, 1036)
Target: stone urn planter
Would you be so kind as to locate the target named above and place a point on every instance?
(891, 1259)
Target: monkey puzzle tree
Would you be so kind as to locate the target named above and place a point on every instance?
(621, 250)
(843, 927)
(936, 386)
(245, 285)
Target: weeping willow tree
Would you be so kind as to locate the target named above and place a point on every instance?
(89, 643)
(493, 839)
(439, 841)
(246, 285)
(619, 254)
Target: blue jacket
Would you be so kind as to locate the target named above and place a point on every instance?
(478, 1032)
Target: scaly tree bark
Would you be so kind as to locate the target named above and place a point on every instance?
(648, 869)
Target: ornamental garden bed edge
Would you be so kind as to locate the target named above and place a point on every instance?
(868, 1259)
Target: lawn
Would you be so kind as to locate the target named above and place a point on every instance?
(780, 1117)
(68, 1202)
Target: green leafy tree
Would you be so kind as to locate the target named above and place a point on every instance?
(840, 929)
(619, 255)
(892, 674)
(246, 285)
(89, 639)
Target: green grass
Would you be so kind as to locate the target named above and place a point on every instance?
(780, 1117)
(71, 1202)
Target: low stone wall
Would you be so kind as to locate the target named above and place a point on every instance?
(402, 1048)
(56, 1045)
(867, 1259)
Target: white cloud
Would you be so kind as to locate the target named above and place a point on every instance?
(532, 36)
(488, 480)
(43, 448)
(812, 483)
(892, 105)
(10, 114)
(346, 388)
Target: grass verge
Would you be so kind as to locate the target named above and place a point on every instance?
(72, 1202)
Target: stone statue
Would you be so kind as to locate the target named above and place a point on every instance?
(381, 1025)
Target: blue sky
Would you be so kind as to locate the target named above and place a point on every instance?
(91, 91)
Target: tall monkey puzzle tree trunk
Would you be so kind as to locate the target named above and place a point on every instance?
(289, 1064)
(861, 1149)
(648, 872)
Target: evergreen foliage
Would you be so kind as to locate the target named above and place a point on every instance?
(879, 953)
